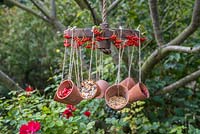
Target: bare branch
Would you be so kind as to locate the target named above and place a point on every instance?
(185, 80)
(157, 56)
(28, 10)
(113, 5)
(53, 9)
(41, 8)
(84, 4)
(183, 49)
(194, 25)
(8, 82)
(155, 21)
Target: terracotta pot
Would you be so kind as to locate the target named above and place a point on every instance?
(72, 98)
(116, 90)
(102, 86)
(128, 82)
(138, 92)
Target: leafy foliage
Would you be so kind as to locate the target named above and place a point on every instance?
(31, 52)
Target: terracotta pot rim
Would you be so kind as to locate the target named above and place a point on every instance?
(101, 95)
(72, 87)
(127, 97)
(143, 87)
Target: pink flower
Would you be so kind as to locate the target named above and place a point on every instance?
(87, 113)
(30, 128)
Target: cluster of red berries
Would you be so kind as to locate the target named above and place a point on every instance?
(131, 40)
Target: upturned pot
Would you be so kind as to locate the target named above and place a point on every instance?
(116, 90)
(102, 86)
(138, 92)
(72, 98)
(128, 82)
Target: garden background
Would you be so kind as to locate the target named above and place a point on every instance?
(31, 53)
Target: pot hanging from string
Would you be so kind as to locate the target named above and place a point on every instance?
(67, 92)
(139, 91)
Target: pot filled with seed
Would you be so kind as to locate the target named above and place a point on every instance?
(89, 89)
(117, 97)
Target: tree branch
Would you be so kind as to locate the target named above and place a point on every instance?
(157, 56)
(8, 82)
(180, 83)
(41, 8)
(28, 10)
(183, 49)
(155, 21)
(53, 9)
(113, 5)
(84, 4)
(194, 25)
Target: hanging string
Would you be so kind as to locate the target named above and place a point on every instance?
(97, 69)
(80, 53)
(71, 54)
(64, 60)
(100, 61)
(119, 58)
(91, 54)
(130, 63)
(102, 64)
(77, 65)
(139, 56)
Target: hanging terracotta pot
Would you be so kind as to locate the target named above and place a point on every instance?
(67, 93)
(138, 92)
(102, 86)
(128, 82)
(91, 89)
(116, 96)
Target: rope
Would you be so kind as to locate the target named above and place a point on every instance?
(77, 65)
(139, 56)
(64, 60)
(102, 64)
(104, 12)
(71, 53)
(91, 54)
(130, 62)
(81, 64)
(119, 58)
(97, 69)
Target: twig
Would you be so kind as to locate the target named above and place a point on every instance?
(113, 5)
(180, 83)
(28, 10)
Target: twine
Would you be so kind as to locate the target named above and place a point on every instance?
(119, 59)
(81, 64)
(91, 54)
(139, 55)
(71, 54)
